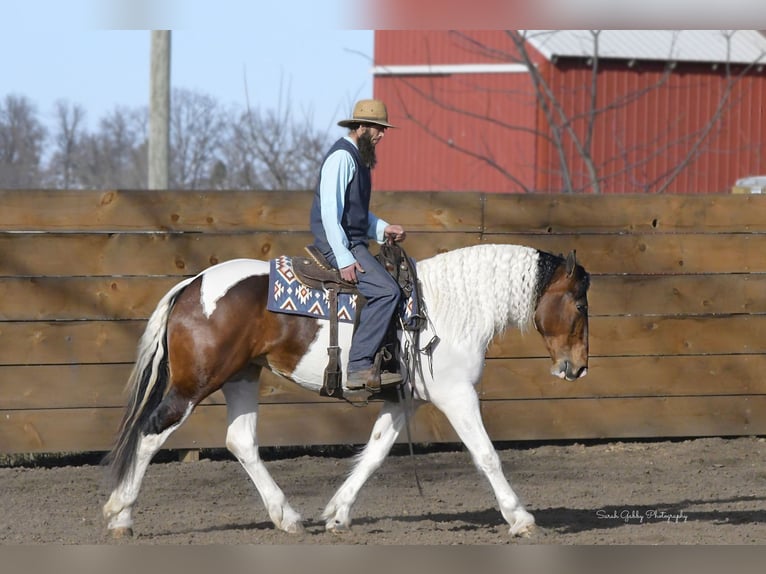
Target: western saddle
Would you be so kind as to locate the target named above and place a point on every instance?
(316, 272)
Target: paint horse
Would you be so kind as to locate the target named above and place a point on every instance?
(213, 331)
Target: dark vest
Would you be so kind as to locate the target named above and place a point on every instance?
(356, 207)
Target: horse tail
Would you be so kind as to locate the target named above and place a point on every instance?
(146, 387)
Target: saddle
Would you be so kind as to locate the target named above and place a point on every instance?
(316, 272)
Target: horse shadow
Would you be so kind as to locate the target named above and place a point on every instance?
(560, 519)
(573, 520)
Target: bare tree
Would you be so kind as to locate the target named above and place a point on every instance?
(68, 134)
(197, 128)
(274, 150)
(22, 138)
(115, 156)
(211, 147)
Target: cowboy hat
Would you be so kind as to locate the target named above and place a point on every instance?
(368, 112)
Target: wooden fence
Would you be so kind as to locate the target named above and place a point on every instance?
(676, 334)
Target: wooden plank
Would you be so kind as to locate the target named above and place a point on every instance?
(143, 210)
(627, 377)
(252, 210)
(102, 385)
(73, 342)
(177, 254)
(78, 298)
(653, 336)
(677, 294)
(83, 386)
(638, 254)
(66, 298)
(186, 254)
(69, 342)
(431, 211)
(645, 336)
(624, 213)
(78, 430)
(217, 211)
(614, 418)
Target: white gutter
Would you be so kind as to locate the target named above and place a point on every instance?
(445, 69)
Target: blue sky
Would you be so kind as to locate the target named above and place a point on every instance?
(97, 53)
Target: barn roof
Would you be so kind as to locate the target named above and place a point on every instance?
(744, 46)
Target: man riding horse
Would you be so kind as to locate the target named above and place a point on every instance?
(342, 225)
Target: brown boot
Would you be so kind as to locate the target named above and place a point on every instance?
(371, 380)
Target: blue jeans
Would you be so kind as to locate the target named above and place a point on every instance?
(382, 294)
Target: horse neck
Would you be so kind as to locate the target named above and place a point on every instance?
(477, 292)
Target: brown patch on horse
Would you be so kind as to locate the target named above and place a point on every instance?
(260, 337)
(561, 317)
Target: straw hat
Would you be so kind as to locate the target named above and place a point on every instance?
(368, 112)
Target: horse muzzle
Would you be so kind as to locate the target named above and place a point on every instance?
(567, 370)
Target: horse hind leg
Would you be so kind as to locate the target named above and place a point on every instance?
(166, 418)
(241, 440)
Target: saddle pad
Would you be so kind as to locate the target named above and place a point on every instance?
(288, 295)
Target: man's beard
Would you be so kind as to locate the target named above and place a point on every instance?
(367, 150)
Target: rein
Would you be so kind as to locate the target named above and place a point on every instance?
(400, 267)
(414, 365)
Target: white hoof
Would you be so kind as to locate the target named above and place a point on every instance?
(294, 528)
(286, 519)
(121, 532)
(337, 527)
(523, 524)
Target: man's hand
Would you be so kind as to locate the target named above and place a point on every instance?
(395, 232)
(349, 273)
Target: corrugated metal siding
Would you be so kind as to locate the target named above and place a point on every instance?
(422, 154)
(402, 47)
(635, 145)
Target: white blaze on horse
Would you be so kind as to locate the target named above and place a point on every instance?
(214, 332)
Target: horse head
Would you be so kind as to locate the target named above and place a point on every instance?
(561, 317)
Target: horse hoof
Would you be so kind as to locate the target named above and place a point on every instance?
(122, 532)
(295, 528)
(523, 525)
(522, 530)
(337, 528)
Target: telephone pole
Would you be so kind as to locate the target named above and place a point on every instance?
(159, 110)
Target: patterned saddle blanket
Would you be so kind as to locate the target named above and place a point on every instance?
(288, 295)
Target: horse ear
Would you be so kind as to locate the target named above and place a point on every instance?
(571, 262)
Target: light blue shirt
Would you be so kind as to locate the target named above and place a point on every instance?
(338, 170)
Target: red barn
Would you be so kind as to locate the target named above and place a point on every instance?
(610, 111)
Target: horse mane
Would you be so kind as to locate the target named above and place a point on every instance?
(476, 292)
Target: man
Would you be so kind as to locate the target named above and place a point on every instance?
(342, 225)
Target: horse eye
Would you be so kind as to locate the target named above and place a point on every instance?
(582, 308)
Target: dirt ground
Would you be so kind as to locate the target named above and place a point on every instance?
(700, 491)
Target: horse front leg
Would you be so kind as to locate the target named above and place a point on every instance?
(461, 407)
(241, 440)
(388, 425)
